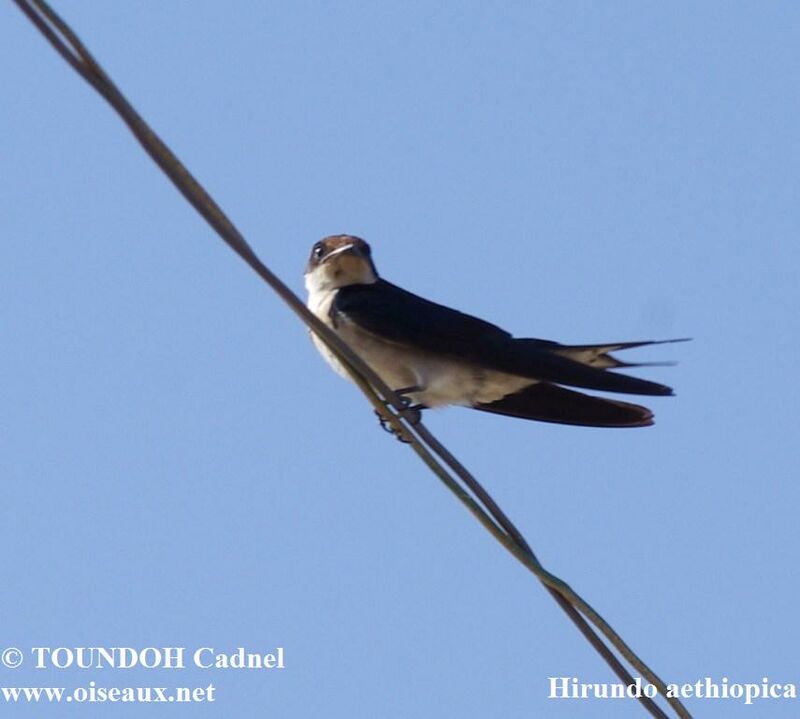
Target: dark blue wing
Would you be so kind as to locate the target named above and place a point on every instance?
(400, 316)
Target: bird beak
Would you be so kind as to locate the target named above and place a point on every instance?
(350, 249)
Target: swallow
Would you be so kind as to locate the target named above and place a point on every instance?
(434, 356)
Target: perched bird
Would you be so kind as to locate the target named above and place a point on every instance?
(435, 356)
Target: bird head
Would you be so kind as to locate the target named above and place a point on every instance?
(338, 261)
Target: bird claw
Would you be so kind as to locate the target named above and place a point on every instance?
(412, 413)
(387, 427)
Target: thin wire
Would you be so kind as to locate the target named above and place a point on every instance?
(69, 46)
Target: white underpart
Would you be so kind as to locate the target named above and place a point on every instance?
(443, 381)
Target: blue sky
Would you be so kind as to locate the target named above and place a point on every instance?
(178, 465)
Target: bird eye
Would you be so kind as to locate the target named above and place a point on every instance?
(318, 250)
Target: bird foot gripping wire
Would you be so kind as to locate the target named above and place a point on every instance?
(411, 412)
